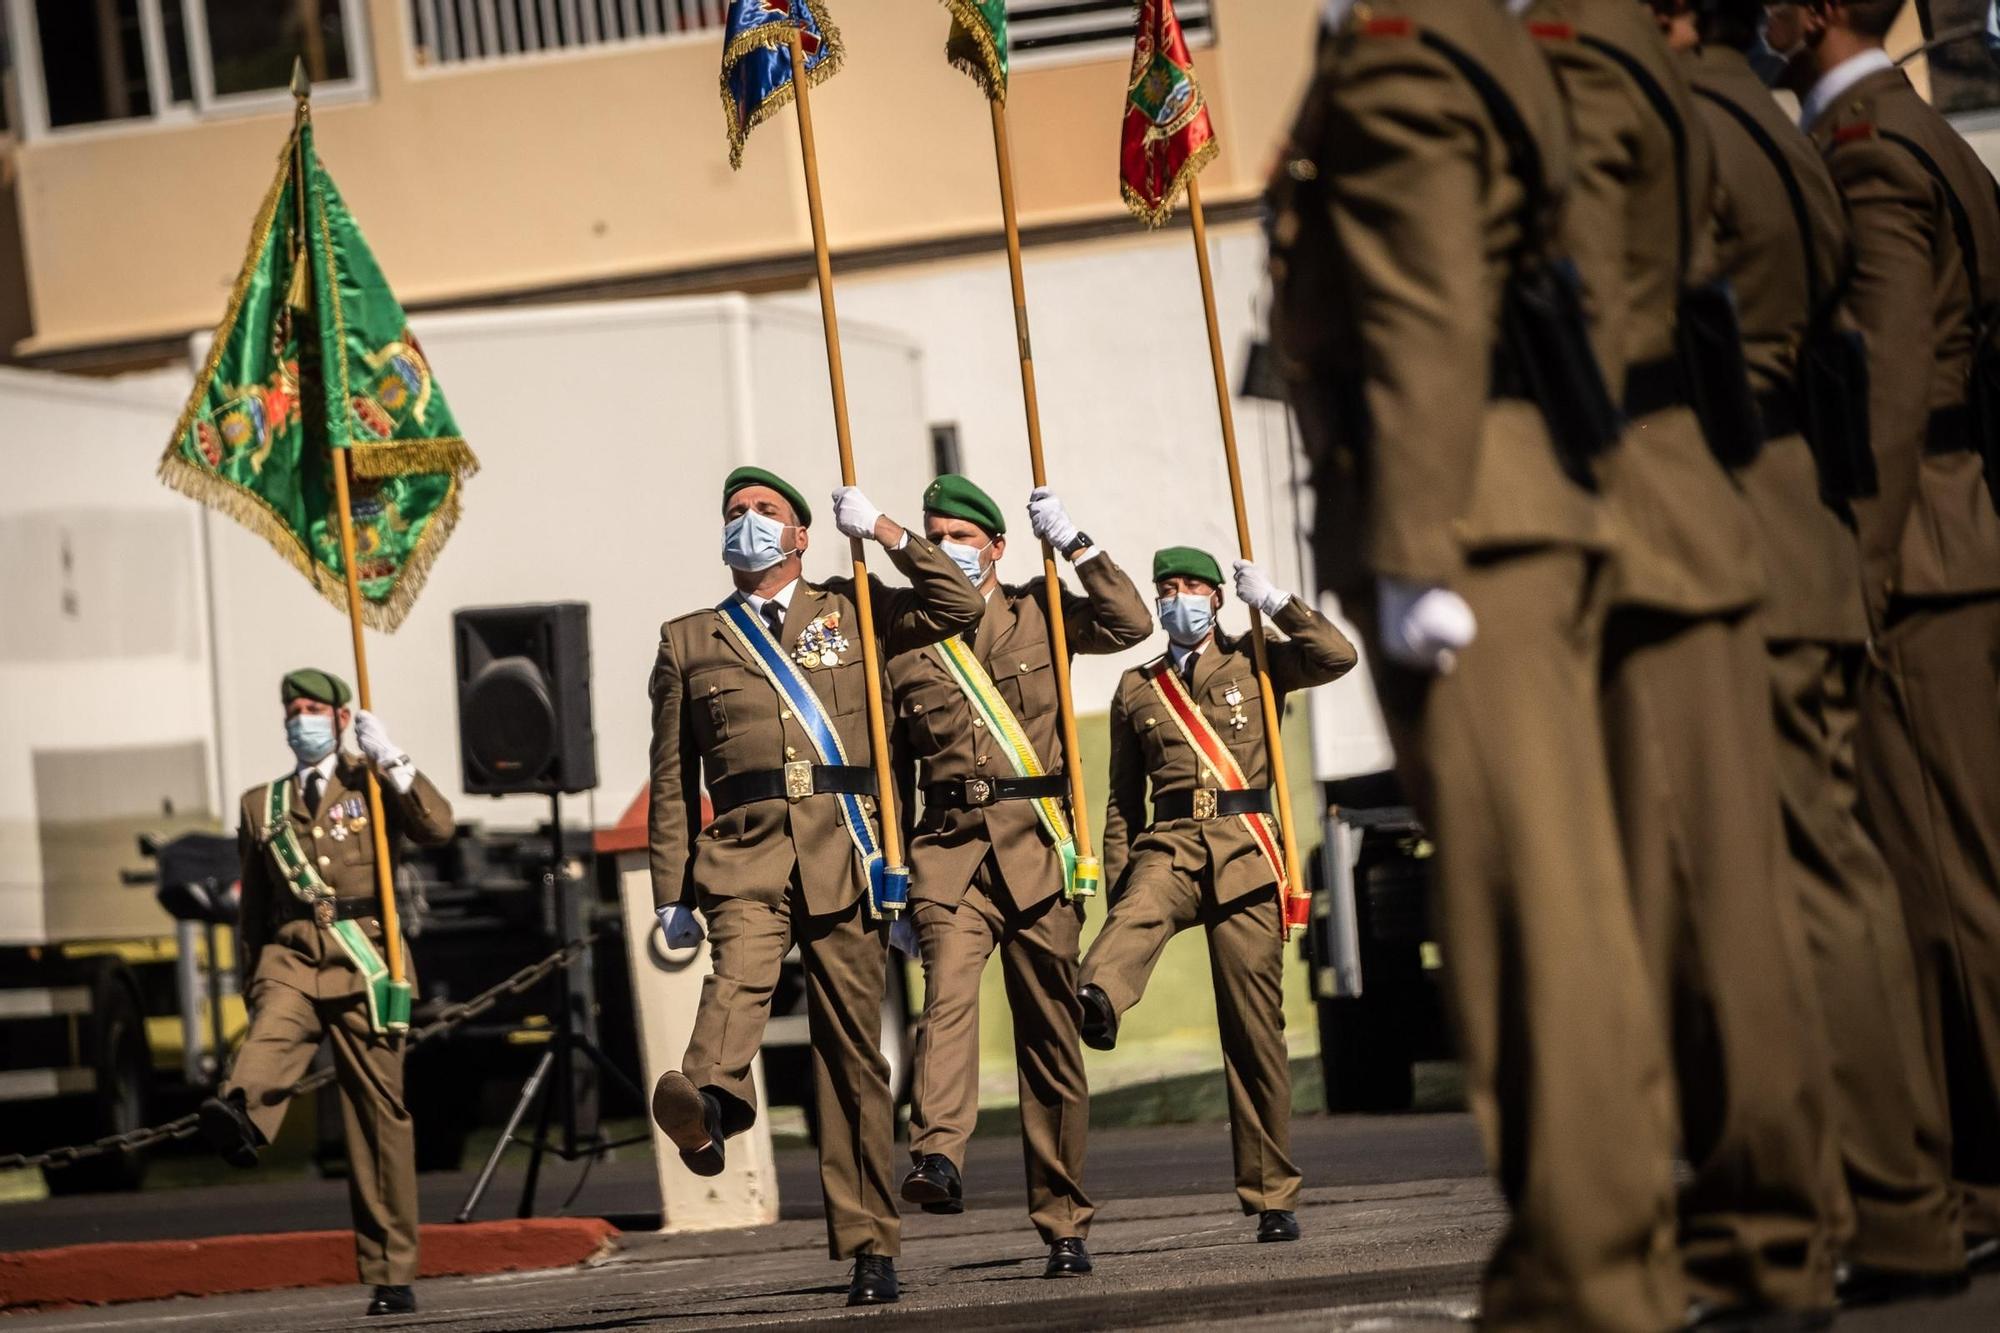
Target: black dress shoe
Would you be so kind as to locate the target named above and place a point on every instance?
(692, 1119)
(1861, 1284)
(874, 1281)
(1982, 1255)
(1755, 1319)
(1276, 1224)
(1100, 1020)
(226, 1127)
(935, 1184)
(1068, 1257)
(393, 1300)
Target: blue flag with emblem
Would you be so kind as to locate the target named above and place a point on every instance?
(888, 891)
(757, 60)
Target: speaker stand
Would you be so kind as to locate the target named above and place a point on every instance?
(557, 1096)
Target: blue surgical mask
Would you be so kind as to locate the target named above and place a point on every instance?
(311, 736)
(1188, 618)
(1769, 62)
(753, 542)
(969, 559)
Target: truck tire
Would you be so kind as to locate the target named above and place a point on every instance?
(1368, 1043)
(124, 1065)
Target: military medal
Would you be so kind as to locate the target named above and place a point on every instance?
(1233, 696)
(323, 911)
(821, 643)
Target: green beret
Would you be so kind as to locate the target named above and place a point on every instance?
(1188, 562)
(757, 476)
(956, 497)
(312, 683)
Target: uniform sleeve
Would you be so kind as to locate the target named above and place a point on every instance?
(421, 814)
(938, 603)
(1314, 651)
(1893, 211)
(673, 815)
(253, 906)
(1126, 812)
(1604, 157)
(1111, 616)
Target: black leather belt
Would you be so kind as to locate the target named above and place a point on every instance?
(977, 793)
(793, 782)
(1654, 386)
(1950, 431)
(1211, 803)
(1779, 410)
(326, 911)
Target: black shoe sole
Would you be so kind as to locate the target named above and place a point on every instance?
(224, 1133)
(931, 1196)
(858, 1298)
(681, 1112)
(1066, 1271)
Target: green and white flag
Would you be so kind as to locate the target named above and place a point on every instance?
(978, 43)
(313, 355)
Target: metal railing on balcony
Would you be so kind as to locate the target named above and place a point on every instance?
(1050, 31)
(459, 32)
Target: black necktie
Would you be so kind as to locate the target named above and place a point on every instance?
(774, 616)
(314, 785)
(1187, 669)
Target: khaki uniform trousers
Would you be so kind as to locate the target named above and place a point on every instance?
(1930, 790)
(1565, 1056)
(1038, 960)
(1688, 723)
(1895, 1141)
(1247, 965)
(286, 1027)
(844, 959)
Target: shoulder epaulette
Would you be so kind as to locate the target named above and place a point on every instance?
(1851, 133)
(1549, 30)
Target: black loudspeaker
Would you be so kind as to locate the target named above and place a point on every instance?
(524, 698)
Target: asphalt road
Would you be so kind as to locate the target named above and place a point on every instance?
(1397, 1213)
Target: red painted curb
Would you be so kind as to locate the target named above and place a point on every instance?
(154, 1270)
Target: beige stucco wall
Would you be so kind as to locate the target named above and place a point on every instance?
(571, 168)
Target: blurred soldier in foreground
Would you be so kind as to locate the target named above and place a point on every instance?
(1190, 724)
(1926, 233)
(1783, 245)
(1452, 409)
(310, 936)
(765, 698)
(989, 864)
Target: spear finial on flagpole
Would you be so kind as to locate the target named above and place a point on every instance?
(301, 85)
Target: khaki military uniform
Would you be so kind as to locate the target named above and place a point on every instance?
(987, 878)
(1891, 1128)
(773, 873)
(303, 989)
(1930, 547)
(1169, 875)
(1402, 256)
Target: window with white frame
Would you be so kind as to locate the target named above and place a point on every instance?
(460, 32)
(1049, 31)
(77, 63)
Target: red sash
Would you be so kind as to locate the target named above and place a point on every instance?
(1215, 757)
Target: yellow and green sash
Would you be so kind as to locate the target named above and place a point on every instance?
(388, 1001)
(1080, 875)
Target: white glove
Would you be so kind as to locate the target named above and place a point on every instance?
(903, 938)
(1049, 519)
(387, 758)
(1254, 588)
(853, 514)
(681, 927)
(1424, 625)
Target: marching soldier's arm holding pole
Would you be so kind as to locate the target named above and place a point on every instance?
(1110, 616)
(419, 811)
(938, 603)
(1313, 652)
(1125, 814)
(674, 816)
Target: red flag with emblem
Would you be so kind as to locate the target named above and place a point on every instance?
(1167, 137)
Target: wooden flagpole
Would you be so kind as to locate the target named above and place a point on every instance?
(878, 732)
(1079, 819)
(342, 464)
(1273, 737)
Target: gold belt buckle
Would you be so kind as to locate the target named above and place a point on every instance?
(978, 792)
(1204, 802)
(323, 911)
(798, 779)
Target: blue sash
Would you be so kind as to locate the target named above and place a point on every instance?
(807, 706)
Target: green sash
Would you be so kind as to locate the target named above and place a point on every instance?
(1080, 874)
(388, 1001)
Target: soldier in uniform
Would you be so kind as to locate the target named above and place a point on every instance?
(1686, 694)
(765, 698)
(1926, 231)
(1209, 854)
(1458, 521)
(308, 925)
(1783, 244)
(989, 862)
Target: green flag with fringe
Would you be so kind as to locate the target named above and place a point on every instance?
(978, 43)
(313, 355)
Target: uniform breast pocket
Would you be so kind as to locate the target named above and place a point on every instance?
(1027, 680)
(850, 686)
(927, 719)
(716, 702)
(1155, 732)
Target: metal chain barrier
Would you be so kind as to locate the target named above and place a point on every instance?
(449, 1017)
